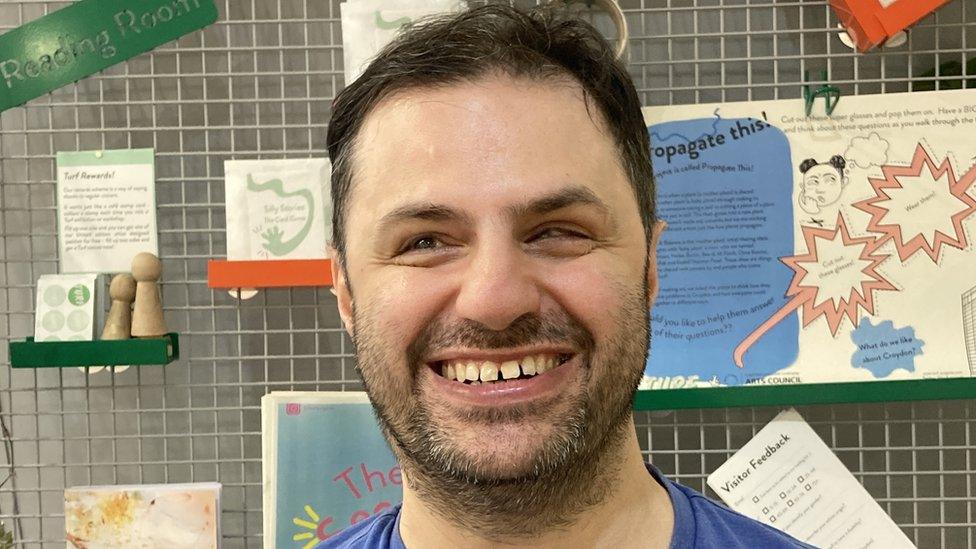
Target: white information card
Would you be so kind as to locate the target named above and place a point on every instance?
(788, 478)
(106, 209)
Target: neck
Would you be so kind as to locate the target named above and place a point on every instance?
(635, 512)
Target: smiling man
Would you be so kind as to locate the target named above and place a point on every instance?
(494, 239)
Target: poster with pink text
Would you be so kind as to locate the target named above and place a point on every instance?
(815, 249)
(325, 465)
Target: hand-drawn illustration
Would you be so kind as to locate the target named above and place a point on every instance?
(843, 276)
(273, 235)
(911, 202)
(867, 151)
(882, 349)
(822, 183)
(314, 528)
(277, 208)
(906, 191)
(393, 24)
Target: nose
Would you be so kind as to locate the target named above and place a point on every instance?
(499, 286)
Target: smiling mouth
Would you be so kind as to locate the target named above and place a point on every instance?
(478, 372)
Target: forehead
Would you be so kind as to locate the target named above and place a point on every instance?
(822, 169)
(485, 141)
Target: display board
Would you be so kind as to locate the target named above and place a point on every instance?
(258, 84)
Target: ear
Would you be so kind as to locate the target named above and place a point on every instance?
(652, 282)
(340, 288)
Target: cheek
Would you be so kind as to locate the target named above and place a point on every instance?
(400, 303)
(594, 294)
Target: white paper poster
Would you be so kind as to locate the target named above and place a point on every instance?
(815, 249)
(106, 209)
(788, 478)
(368, 25)
(278, 209)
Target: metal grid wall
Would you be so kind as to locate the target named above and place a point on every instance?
(258, 84)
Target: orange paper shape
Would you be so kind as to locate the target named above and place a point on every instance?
(280, 273)
(871, 22)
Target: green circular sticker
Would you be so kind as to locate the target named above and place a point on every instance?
(52, 321)
(78, 321)
(79, 294)
(54, 296)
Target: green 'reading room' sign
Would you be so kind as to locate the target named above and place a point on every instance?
(88, 36)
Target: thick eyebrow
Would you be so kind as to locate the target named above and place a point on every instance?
(424, 211)
(563, 198)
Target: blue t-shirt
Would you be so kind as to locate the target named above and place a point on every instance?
(699, 523)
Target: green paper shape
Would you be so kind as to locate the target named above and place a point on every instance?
(86, 37)
(273, 236)
(79, 294)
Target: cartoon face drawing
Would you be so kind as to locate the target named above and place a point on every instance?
(822, 184)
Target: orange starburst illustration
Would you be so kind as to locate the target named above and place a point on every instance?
(835, 285)
(903, 222)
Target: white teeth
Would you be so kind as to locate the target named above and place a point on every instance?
(510, 369)
(489, 371)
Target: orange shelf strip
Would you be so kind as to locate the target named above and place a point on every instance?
(280, 273)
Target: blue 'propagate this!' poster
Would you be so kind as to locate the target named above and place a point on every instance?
(723, 188)
(814, 249)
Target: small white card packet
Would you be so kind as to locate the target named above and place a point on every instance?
(278, 209)
(368, 25)
(68, 307)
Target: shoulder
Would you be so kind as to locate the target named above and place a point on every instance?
(377, 532)
(719, 526)
(702, 523)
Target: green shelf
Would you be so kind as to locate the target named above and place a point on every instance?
(122, 352)
(809, 393)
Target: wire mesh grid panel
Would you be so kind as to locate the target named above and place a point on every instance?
(258, 84)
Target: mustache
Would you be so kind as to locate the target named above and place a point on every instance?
(528, 329)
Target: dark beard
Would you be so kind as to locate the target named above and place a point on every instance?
(573, 469)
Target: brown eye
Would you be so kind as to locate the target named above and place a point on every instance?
(424, 243)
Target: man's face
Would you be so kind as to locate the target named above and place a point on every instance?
(492, 230)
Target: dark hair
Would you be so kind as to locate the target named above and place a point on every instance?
(837, 161)
(464, 46)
